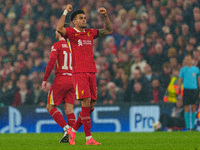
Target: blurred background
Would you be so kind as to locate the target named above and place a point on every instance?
(135, 64)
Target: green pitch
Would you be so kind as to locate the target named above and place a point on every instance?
(110, 141)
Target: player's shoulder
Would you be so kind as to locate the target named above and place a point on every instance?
(57, 45)
(54, 46)
(196, 68)
(183, 68)
(70, 29)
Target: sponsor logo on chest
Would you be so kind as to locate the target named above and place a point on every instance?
(84, 42)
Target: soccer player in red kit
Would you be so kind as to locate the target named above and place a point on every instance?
(62, 90)
(84, 69)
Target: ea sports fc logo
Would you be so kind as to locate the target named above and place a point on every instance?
(80, 42)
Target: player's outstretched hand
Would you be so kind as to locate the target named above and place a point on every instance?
(102, 11)
(44, 85)
(69, 8)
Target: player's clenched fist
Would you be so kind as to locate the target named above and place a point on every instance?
(69, 8)
(102, 11)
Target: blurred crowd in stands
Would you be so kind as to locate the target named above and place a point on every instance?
(135, 63)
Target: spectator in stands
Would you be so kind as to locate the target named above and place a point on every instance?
(189, 49)
(158, 59)
(148, 74)
(39, 65)
(120, 79)
(164, 77)
(7, 92)
(103, 95)
(133, 34)
(36, 90)
(197, 29)
(167, 26)
(148, 49)
(137, 62)
(28, 66)
(139, 8)
(163, 15)
(185, 31)
(120, 38)
(169, 43)
(23, 96)
(17, 68)
(181, 43)
(21, 47)
(136, 77)
(13, 76)
(193, 41)
(156, 92)
(143, 29)
(153, 25)
(116, 94)
(125, 63)
(7, 68)
(173, 62)
(172, 53)
(138, 95)
(21, 59)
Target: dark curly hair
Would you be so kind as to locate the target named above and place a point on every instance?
(75, 13)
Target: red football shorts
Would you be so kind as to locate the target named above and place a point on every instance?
(61, 93)
(85, 85)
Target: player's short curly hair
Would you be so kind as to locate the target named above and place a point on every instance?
(75, 13)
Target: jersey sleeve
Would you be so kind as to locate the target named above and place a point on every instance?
(54, 51)
(95, 33)
(67, 32)
(52, 60)
(198, 72)
(181, 73)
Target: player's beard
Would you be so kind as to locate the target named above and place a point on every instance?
(83, 27)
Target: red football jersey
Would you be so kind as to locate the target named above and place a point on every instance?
(82, 49)
(61, 57)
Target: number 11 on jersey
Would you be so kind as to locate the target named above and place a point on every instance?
(67, 56)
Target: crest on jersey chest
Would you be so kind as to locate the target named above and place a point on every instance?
(80, 43)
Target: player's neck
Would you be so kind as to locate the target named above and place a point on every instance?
(190, 65)
(79, 29)
(61, 39)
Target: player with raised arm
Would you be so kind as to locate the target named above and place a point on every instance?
(62, 90)
(84, 69)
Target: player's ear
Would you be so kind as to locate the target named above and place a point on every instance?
(74, 21)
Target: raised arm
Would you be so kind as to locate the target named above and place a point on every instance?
(61, 22)
(108, 29)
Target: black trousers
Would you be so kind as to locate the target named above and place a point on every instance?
(168, 121)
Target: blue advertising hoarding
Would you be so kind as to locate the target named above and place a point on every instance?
(103, 119)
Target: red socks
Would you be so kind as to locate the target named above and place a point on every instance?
(91, 110)
(57, 116)
(71, 119)
(86, 121)
(78, 123)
